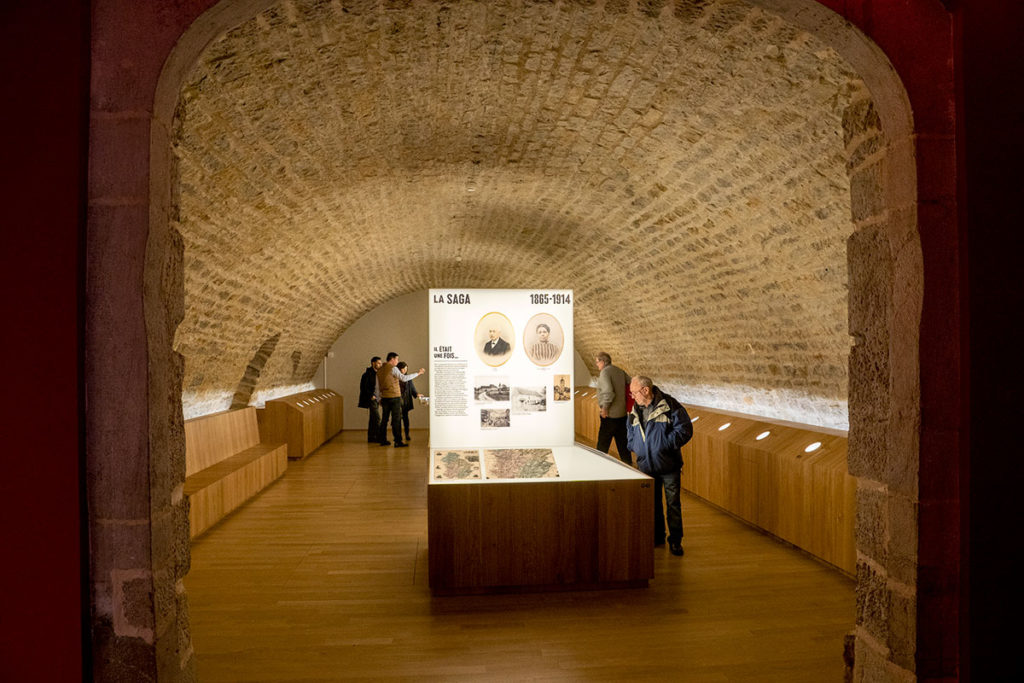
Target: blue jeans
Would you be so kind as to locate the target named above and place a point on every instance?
(669, 482)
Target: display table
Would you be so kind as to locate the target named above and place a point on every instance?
(589, 527)
(304, 421)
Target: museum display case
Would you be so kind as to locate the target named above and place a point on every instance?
(513, 503)
(588, 524)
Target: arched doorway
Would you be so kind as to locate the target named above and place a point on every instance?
(886, 287)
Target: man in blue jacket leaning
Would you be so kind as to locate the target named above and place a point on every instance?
(658, 427)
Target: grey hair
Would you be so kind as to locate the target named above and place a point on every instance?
(603, 357)
(643, 381)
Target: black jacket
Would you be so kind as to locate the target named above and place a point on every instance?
(501, 347)
(408, 394)
(368, 388)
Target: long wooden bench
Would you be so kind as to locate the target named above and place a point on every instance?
(226, 465)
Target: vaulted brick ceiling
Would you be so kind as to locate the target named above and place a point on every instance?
(680, 165)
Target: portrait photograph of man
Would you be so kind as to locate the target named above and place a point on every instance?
(493, 339)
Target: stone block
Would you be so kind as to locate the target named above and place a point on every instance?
(120, 659)
(869, 264)
(872, 526)
(133, 603)
(859, 119)
(867, 198)
(873, 597)
(903, 539)
(865, 149)
(902, 641)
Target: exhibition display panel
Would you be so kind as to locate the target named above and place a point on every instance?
(513, 503)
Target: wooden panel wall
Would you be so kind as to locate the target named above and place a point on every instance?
(540, 535)
(215, 437)
(807, 499)
(304, 421)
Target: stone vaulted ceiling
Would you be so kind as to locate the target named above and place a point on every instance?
(680, 166)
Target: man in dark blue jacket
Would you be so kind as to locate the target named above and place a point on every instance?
(658, 427)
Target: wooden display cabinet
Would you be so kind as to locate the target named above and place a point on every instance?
(592, 527)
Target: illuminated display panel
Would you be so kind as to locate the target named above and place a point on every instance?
(501, 363)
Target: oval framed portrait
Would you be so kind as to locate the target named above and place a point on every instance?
(543, 339)
(494, 339)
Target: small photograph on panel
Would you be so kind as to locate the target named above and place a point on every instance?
(521, 463)
(490, 389)
(526, 400)
(543, 339)
(495, 418)
(455, 465)
(562, 390)
(494, 338)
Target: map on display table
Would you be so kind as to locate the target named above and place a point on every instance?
(451, 464)
(520, 463)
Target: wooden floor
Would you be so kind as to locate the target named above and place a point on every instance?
(323, 577)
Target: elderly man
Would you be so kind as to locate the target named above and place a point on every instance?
(611, 400)
(495, 345)
(658, 427)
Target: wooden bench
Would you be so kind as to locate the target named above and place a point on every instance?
(304, 421)
(226, 465)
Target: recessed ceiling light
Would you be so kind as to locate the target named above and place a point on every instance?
(813, 447)
(762, 435)
(725, 426)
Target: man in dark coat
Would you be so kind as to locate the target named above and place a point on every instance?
(369, 398)
(495, 346)
(658, 428)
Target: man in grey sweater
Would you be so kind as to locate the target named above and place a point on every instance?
(611, 399)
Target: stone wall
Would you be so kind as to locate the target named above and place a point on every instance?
(886, 528)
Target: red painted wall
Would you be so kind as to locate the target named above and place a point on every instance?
(43, 47)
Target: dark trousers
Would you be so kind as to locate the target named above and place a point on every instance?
(670, 483)
(373, 427)
(390, 408)
(614, 427)
(405, 422)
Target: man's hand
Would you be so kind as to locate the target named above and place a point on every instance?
(604, 412)
(422, 371)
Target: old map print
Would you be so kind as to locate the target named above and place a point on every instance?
(456, 465)
(520, 463)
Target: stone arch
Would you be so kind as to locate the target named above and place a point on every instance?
(886, 291)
